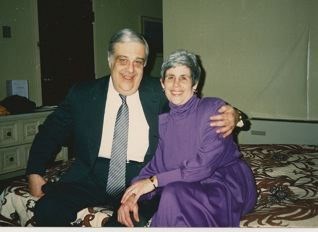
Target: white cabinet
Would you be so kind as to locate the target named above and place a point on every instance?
(16, 135)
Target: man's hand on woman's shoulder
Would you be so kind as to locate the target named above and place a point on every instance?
(226, 120)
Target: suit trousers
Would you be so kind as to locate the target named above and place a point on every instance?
(62, 200)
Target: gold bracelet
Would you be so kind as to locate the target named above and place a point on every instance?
(152, 180)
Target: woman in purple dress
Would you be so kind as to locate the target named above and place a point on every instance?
(198, 174)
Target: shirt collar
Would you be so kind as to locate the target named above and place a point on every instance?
(113, 92)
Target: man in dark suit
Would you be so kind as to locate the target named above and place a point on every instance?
(87, 117)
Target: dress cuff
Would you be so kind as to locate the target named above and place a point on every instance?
(169, 177)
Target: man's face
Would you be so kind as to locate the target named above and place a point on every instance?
(126, 67)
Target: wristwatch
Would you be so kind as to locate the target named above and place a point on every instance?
(152, 179)
(240, 123)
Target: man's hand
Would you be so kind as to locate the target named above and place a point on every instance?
(35, 185)
(124, 211)
(226, 120)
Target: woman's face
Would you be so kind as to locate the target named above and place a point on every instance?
(178, 84)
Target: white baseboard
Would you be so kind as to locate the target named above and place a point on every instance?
(280, 132)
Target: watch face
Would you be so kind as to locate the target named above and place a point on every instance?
(240, 123)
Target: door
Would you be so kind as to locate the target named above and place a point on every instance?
(66, 46)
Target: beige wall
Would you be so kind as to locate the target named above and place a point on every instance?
(113, 15)
(255, 52)
(313, 87)
(19, 55)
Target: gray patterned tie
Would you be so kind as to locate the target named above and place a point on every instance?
(117, 167)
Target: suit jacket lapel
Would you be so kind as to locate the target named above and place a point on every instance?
(97, 117)
(147, 103)
(150, 104)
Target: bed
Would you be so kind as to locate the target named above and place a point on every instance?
(286, 178)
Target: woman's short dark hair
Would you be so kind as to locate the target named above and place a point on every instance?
(183, 57)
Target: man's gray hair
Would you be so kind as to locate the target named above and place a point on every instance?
(126, 35)
(183, 57)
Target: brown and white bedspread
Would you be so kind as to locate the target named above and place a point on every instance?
(286, 178)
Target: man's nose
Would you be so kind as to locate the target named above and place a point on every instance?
(176, 82)
(131, 66)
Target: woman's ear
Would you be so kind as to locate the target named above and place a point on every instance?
(195, 87)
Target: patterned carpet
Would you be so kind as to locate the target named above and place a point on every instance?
(286, 178)
(287, 183)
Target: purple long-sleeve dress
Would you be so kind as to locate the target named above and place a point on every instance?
(203, 180)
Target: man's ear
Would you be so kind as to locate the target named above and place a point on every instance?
(161, 81)
(109, 63)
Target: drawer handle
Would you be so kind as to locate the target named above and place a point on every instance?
(11, 159)
(9, 133)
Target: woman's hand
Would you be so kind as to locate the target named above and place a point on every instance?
(137, 189)
(226, 120)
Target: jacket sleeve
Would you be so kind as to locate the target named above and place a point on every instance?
(52, 135)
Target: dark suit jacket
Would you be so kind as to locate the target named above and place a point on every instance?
(80, 117)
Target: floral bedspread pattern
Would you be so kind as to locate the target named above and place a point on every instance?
(287, 184)
(286, 178)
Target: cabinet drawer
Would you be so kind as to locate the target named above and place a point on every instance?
(8, 133)
(30, 129)
(26, 152)
(12, 159)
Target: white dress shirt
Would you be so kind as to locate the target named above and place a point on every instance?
(138, 129)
